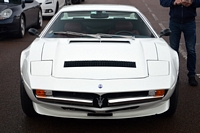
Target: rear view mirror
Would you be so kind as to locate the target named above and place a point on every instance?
(99, 14)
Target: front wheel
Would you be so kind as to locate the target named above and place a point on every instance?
(26, 103)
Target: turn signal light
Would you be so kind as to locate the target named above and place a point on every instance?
(160, 93)
(41, 93)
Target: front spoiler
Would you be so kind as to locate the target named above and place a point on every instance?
(145, 110)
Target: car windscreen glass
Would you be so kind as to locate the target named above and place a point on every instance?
(99, 22)
(11, 1)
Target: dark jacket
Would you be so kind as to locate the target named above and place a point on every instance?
(179, 13)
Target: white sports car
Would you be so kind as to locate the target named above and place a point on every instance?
(51, 7)
(99, 62)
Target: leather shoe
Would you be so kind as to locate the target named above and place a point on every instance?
(192, 81)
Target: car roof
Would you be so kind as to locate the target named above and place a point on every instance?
(107, 7)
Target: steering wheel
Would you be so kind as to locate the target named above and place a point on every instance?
(124, 32)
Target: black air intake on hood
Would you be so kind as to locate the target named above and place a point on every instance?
(99, 63)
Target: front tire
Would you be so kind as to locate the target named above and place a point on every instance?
(26, 103)
(39, 20)
(76, 1)
(22, 27)
(173, 102)
(57, 8)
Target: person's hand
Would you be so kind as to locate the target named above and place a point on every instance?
(177, 2)
(186, 3)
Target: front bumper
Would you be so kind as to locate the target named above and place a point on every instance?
(9, 26)
(48, 9)
(64, 109)
(127, 112)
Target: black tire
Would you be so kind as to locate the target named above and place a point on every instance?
(67, 3)
(26, 103)
(57, 8)
(22, 27)
(39, 20)
(173, 102)
(76, 1)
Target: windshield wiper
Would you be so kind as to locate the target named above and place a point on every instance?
(111, 35)
(75, 34)
(98, 35)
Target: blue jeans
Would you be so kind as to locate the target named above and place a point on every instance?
(189, 32)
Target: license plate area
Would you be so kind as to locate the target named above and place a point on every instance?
(100, 114)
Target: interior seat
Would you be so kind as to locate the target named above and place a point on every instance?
(123, 26)
(73, 26)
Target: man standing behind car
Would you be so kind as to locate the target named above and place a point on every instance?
(182, 20)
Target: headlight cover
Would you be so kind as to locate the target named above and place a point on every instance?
(5, 14)
(158, 68)
(41, 68)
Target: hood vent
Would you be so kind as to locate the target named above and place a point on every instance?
(98, 41)
(97, 63)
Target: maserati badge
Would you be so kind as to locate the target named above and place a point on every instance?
(100, 86)
(100, 101)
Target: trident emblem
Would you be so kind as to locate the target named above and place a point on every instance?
(100, 101)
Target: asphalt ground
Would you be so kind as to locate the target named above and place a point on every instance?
(13, 120)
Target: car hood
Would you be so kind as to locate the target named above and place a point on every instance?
(103, 59)
(4, 6)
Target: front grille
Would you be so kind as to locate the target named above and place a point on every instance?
(99, 101)
(99, 63)
(80, 95)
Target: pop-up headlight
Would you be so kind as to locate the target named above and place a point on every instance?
(41, 68)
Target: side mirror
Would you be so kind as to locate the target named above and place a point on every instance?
(33, 31)
(165, 32)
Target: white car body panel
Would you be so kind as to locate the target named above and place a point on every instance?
(42, 66)
(50, 4)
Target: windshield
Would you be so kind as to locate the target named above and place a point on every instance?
(102, 24)
(11, 1)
